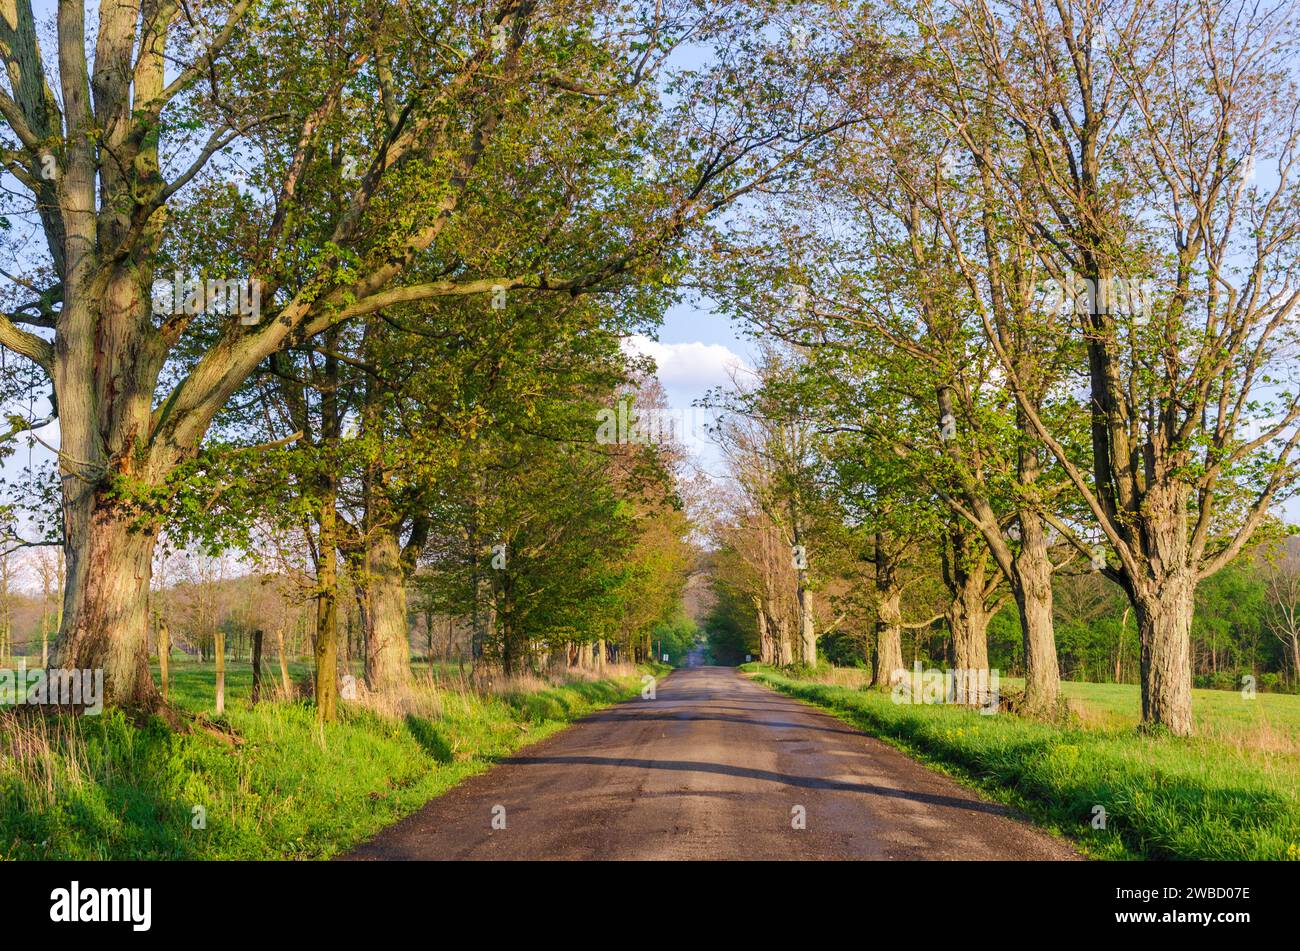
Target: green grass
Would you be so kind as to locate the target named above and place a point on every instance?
(1223, 714)
(104, 788)
(1233, 793)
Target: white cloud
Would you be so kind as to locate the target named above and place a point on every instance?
(693, 366)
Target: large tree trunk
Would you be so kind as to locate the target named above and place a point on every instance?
(388, 646)
(784, 648)
(967, 613)
(888, 667)
(803, 601)
(766, 651)
(888, 662)
(1032, 584)
(383, 582)
(968, 621)
(1163, 598)
(807, 633)
(103, 385)
(1164, 616)
(106, 600)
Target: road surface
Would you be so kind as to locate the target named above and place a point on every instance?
(716, 767)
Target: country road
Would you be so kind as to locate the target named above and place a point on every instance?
(716, 767)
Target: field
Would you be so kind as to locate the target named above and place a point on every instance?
(266, 781)
(1231, 792)
(1266, 722)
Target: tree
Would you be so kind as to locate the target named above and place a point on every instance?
(874, 269)
(1122, 135)
(751, 575)
(770, 447)
(136, 157)
(1283, 579)
(889, 523)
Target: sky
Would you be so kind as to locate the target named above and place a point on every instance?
(696, 350)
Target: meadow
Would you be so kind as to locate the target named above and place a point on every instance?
(1230, 792)
(265, 781)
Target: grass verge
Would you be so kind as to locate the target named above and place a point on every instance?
(1206, 797)
(100, 787)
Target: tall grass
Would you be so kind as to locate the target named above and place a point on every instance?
(264, 781)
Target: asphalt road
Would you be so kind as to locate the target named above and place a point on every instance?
(716, 767)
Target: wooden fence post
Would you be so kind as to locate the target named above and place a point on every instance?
(257, 665)
(219, 646)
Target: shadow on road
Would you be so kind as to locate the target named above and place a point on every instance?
(805, 782)
(624, 716)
